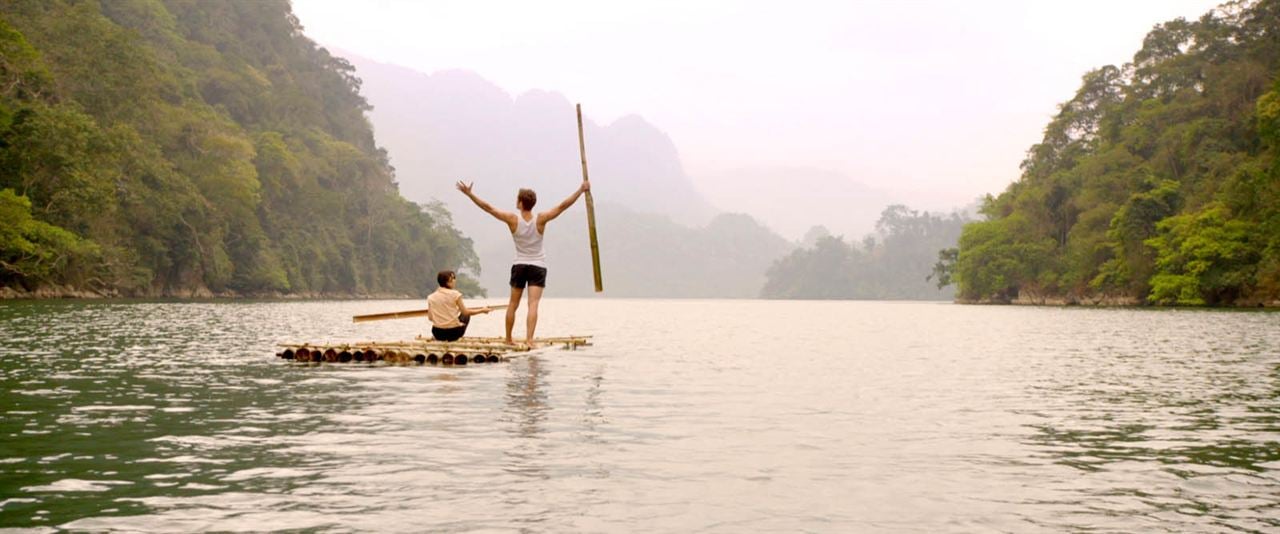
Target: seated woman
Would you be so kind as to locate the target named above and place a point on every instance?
(449, 317)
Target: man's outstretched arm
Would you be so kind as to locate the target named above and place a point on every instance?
(504, 216)
(547, 216)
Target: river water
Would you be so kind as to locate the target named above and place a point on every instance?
(707, 416)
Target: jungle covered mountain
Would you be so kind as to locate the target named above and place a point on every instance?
(1158, 182)
(184, 147)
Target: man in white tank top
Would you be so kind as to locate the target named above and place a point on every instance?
(529, 267)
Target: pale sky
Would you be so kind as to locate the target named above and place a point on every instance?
(935, 102)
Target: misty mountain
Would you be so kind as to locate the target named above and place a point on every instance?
(453, 125)
(833, 200)
(658, 235)
(649, 255)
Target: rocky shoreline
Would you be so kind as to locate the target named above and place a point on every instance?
(1108, 301)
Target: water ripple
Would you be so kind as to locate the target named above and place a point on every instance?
(686, 415)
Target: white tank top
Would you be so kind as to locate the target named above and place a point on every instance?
(528, 243)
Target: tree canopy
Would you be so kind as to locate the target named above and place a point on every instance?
(175, 147)
(1158, 182)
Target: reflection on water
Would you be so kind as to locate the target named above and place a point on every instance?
(872, 417)
(526, 398)
(525, 457)
(1191, 436)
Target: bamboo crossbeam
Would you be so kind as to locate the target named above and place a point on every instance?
(563, 339)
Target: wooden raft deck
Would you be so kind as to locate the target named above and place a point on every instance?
(422, 350)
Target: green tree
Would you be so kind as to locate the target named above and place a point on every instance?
(1203, 258)
(1146, 162)
(203, 146)
(33, 252)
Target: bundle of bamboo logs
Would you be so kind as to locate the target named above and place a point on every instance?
(420, 351)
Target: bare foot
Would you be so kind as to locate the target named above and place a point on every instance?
(509, 341)
(531, 344)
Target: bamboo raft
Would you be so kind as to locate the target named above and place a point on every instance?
(422, 350)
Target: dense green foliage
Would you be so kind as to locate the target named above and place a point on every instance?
(1158, 182)
(893, 264)
(35, 249)
(154, 147)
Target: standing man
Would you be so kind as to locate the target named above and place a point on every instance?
(529, 267)
(449, 316)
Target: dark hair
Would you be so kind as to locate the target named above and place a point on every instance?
(443, 277)
(527, 198)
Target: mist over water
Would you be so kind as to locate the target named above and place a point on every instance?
(686, 415)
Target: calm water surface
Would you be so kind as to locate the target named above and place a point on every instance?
(708, 416)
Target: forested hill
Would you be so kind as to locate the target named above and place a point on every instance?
(190, 148)
(893, 263)
(1159, 182)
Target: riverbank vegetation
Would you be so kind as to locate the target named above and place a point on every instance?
(1158, 182)
(176, 147)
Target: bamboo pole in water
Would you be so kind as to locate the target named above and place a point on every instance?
(591, 209)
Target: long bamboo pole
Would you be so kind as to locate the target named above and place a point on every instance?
(403, 314)
(591, 209)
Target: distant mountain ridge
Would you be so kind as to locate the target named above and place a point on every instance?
(830, 199)
(479, 131)
(659, 237)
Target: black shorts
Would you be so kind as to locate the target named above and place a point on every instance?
(452, 334)
(522, 274)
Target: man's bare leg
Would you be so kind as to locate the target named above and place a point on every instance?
(512, 305)
(531, 321)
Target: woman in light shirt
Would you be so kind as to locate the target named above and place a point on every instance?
(449, 316)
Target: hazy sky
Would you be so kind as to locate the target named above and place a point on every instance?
(934, 101)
